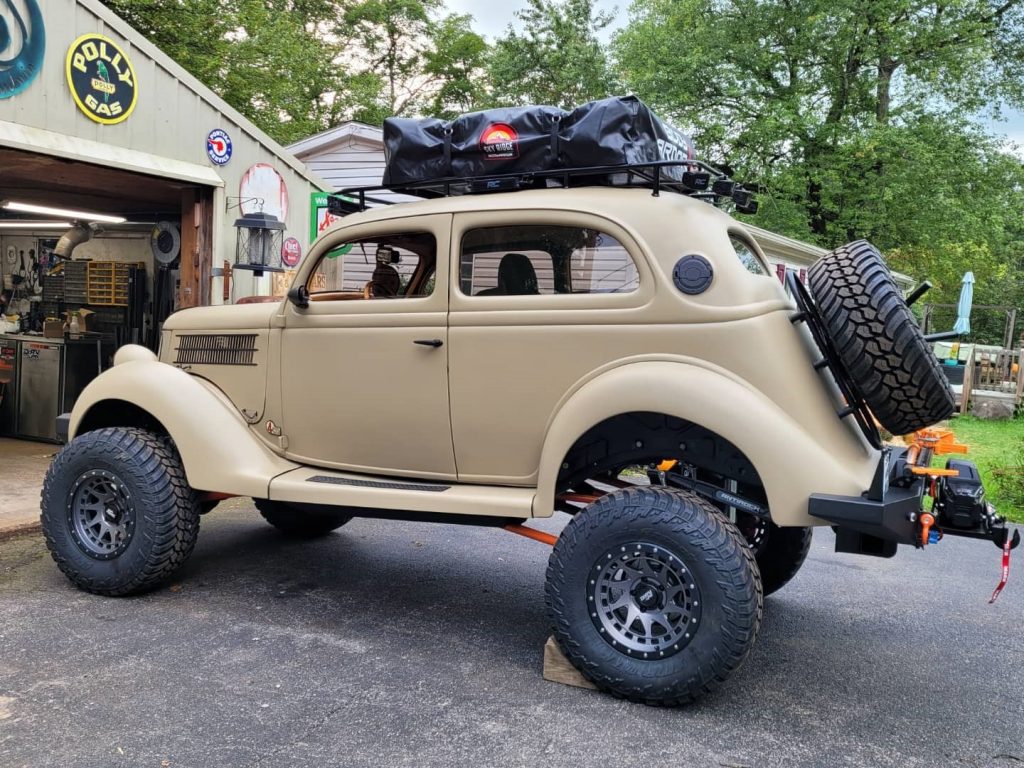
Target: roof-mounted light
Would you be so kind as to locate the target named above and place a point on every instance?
(64, 213)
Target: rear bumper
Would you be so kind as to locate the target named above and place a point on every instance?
(892, 518)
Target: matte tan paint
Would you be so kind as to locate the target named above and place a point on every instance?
(692, 389)
(527, 374)
(215, 443)
(358, 393)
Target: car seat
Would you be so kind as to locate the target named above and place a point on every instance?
(516, 277)
(385, 281)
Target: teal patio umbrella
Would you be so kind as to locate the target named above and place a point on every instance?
(963, 307)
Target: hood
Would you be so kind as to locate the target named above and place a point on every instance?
(235, 317)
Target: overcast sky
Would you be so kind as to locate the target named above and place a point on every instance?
(491, 18)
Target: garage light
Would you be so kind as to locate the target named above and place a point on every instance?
(34, 224)
(45, 210)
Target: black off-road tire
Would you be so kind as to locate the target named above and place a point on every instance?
(877, 340)
(686, 535)
(780, 552)
(300, 521)
(155, 505)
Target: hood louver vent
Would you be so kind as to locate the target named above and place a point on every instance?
(218, 349)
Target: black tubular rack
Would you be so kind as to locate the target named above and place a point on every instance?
(697, 179)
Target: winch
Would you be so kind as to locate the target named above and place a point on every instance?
(959, 506)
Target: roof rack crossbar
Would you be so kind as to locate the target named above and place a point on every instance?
(650, 175)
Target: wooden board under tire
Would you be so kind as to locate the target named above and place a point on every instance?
(557, 668)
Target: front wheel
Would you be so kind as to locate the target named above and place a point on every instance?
(653, 595)
(117, 512)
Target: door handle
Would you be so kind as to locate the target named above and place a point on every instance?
(429, 342)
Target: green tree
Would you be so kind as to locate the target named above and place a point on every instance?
(418, 60)
(266, 58)
(857, 118)
(558, 57)
(456, 65)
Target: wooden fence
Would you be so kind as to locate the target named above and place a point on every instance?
(999, 371)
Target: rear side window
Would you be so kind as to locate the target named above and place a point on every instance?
(544, 260)
(747, 255)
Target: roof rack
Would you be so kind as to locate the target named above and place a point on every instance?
(698, 179)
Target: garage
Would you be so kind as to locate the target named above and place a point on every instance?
(128, 190)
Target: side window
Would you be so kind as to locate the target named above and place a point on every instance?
(543, 259)
(747, 255)
(384, 267)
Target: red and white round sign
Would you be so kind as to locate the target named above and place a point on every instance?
(291, 252)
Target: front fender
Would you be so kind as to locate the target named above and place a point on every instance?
(217, 447)
(790, 460)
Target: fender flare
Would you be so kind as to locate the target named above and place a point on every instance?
(788, 459)
(218, 449)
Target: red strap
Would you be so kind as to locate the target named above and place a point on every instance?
(1006, 568)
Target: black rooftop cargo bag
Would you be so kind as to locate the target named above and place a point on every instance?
(615, 131)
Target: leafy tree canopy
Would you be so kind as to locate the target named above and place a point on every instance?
(557, 58)
(857, 118)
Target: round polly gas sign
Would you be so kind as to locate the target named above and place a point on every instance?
(291, 252)
(218, 146)
(101, 79)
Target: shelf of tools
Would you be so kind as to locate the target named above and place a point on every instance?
(113, 292)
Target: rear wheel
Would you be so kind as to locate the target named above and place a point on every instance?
(779, 551)
(877, 340)
(300, 521)
(117, 512)
(653, 595)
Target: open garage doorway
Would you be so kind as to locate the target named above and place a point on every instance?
(129, 275)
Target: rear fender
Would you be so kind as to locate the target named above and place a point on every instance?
(792, 464)
(217, 447)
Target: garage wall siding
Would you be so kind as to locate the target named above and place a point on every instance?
(172, 116)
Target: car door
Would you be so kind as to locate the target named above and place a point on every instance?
(364, 367)
(540, 299)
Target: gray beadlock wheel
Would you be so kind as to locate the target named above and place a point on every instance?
(653, 596)
(877, 339)
(118, 514)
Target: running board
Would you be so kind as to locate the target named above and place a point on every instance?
(342, 489)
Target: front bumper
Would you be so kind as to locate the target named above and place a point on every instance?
(63, 427)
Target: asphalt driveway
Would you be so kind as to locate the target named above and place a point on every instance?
(397, 644)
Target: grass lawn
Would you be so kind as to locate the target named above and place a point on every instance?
(993, 445)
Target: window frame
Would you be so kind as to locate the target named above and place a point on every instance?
(439, 225)
(471, 220)
(752, 246)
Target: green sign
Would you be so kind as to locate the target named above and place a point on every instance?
(320, 219)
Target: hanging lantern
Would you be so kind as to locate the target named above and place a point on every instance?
(258, 244)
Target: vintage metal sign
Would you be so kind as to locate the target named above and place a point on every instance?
(101, 79)
(22, 45)
(291, 252)
(218, 146)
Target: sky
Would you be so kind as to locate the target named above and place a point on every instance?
(491, 19)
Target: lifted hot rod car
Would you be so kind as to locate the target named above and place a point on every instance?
(517, 343)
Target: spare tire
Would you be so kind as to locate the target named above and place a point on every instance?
(877, 341)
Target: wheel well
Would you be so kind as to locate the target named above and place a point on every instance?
(643, 438)
(119, 413)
